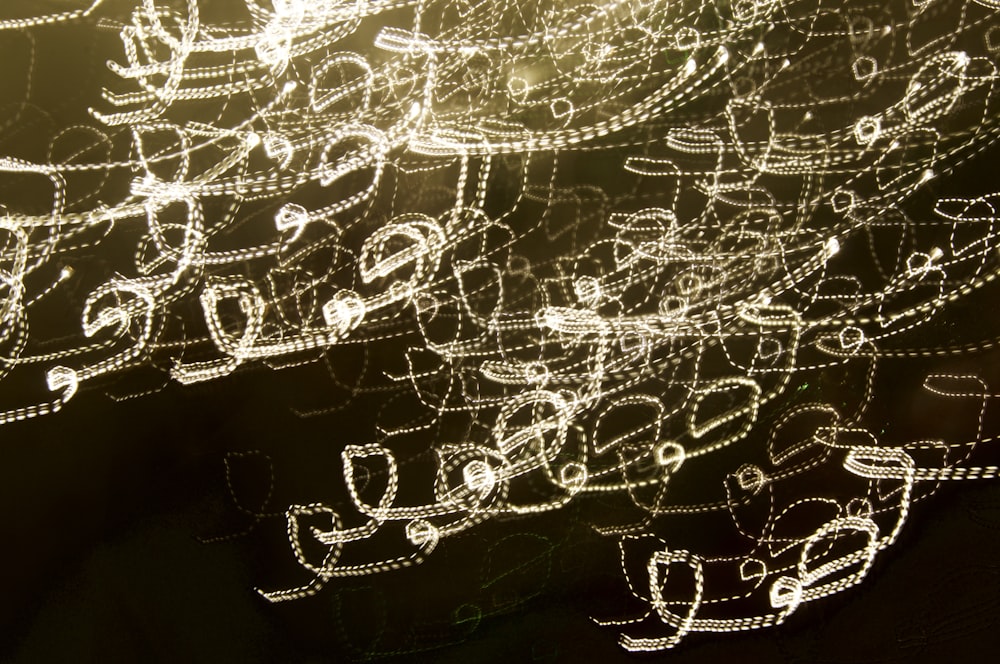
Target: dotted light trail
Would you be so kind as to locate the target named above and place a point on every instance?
(613, 244)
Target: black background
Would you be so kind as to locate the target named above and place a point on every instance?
(106, 507)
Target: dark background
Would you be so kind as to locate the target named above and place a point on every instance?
(112, 513)
(105, 505)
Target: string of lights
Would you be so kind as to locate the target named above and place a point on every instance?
(606, 251)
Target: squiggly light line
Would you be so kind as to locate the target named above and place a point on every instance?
(763, 228)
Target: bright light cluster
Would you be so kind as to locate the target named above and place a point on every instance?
(611, 244)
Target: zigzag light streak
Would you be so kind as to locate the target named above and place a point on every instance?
(609, 238)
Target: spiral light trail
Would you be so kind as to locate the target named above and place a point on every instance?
(602, 245)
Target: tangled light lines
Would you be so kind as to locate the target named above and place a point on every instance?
(656, 254)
